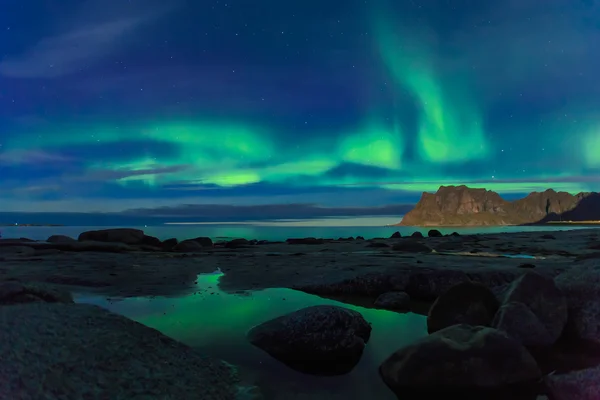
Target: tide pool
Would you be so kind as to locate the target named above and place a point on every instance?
(216, 323)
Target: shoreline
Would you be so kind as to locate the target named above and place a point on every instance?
(129, 270)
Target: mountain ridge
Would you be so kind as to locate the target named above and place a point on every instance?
(464, 206)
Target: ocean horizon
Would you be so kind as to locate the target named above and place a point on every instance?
(368, 227)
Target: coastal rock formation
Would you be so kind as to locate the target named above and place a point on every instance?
(77, 351)
(319, 340)
(459, 357)
(466, 303)
(463, 206)
(534, 310)
(14, 292)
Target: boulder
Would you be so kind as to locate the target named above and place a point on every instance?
(60, 239)
(117, 235)
(397, 301)
(188, 246)
(434, 233)
(576, 385)
(534, 310)
(79, 351)
(237, 243)
(204, 241)
(465, 303)
(581, 287)
(318, 340)
(460, 357)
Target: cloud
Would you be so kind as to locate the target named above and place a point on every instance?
(79, 47)
(19, 157)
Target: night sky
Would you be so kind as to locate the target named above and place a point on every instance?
(109, 105)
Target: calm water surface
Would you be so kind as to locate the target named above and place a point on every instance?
(216, 323)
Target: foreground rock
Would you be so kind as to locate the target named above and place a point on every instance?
(13, 292)
(466, 303)
(319, 340)
(581, 286)
(576, 385)
(534, 310)
(460, 357)
(76, 351)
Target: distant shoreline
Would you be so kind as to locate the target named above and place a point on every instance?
(26, 225)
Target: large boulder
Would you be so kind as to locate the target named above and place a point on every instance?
(460, 357)
(465, 303)
(534, 310)
(318, 340)
(576, 385)
(581, 287)
(116, 235)
(78, 351)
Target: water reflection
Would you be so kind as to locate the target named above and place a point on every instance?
(216, 322)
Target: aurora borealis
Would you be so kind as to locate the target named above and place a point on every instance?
(110, 105)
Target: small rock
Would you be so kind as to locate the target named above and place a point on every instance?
(393, 301)
(465, 303)
(378, 244)
(526, 265)
(459, 357)
(548, 236)
(396, 235)
(416, 234)
(204, 241)
(237, 243)
(434, 233)
(169, 244)
(151, 241)
(187, 246)
(118, 235)
(319, 340)
(60, 239)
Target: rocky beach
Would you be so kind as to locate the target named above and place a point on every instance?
(513, 311)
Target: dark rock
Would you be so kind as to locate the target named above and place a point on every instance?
(151, 241)
(378, 244)
(544, 324)
(411, 246)
(204, 241)
(237, 244)
(79, 351)
(581, 287)
(576, 385)
(398, 301)
(434, 233)
(454, 234)
(319, 340)
(118, 235)
(14, 292)
(17, 250)
(396, 235)
(427, 284)
(188, 246)
(360, 238)
(416, 234)
(465, 303)
(60, 239)
(548, 236)
(169, 244)
(347, 239)
(463, 357)
(307, 240)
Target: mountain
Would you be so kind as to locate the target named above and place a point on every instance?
(464, 206)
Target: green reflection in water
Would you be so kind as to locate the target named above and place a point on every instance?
(216, 323)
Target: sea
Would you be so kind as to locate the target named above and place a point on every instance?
(273, 230)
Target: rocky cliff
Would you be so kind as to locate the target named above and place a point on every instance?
(463, 206)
